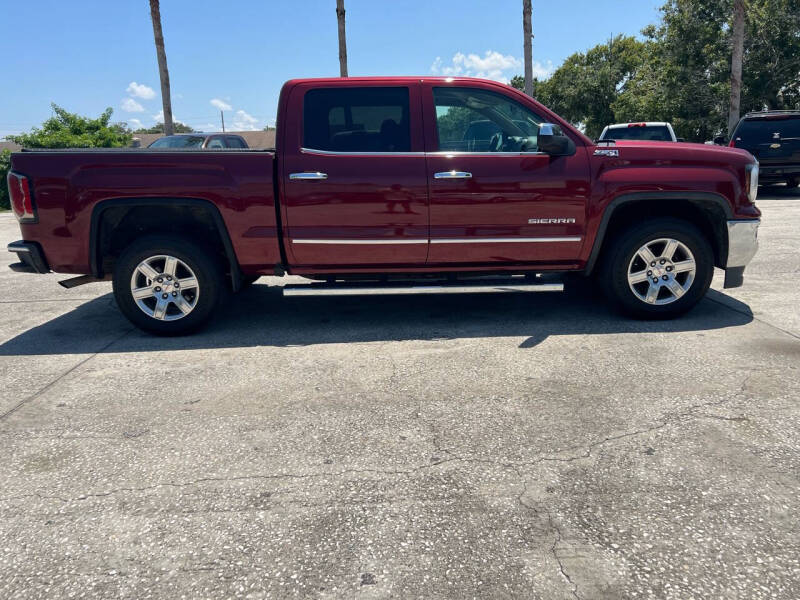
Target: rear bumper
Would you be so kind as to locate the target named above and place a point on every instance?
(31, 258)
(742, 246)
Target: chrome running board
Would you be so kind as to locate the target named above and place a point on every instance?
(349, 289)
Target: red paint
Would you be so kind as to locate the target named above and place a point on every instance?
(391, 198)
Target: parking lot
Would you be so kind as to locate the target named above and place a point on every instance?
(509, 446)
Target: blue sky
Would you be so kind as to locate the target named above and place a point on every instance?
(90, 54)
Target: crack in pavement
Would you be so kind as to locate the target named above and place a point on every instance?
(749, 313)
(679, 418)
(42, 390)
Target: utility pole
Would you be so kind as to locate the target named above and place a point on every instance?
(736, 64)
(527, 32)
(222, 116)
(342, 38)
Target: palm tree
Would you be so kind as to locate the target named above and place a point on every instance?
(736, 64)
(342, 39)
(163, 72)
(528, 38)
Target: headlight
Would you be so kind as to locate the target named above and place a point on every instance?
(751, 181)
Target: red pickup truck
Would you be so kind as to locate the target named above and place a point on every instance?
(391, 185)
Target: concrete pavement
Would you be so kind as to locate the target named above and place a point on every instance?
(531, 446)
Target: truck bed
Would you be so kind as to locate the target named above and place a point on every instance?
(71, 188)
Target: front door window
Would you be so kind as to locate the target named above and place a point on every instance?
(473, 120)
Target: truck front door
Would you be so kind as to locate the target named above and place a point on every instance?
(494, 198)
(354, 177)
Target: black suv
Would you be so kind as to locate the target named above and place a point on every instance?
(773, 137)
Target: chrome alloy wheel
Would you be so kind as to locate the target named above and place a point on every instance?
(661, 271)
(164, 288)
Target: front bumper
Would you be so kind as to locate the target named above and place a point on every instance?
(31, 258)
(742, 246)
(779, 172)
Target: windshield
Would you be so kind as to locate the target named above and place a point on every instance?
(658, 133)
(179, 141)
(764, 131)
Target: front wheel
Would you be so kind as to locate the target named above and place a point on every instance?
(167, 285)
(658, 270)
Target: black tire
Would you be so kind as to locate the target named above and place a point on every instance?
(619, 255)
(205, 267)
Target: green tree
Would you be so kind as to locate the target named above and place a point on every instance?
(771, 68)
(685, 76)
(69, 130)
(583, 89)
(5, 167)
(681, 71)
(178, 127)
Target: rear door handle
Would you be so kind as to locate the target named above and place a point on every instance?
(453, 175)
(308, 175)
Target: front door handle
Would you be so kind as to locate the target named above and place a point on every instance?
(453, 175)
(312, 175)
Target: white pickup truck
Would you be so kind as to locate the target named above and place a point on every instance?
(647, 131)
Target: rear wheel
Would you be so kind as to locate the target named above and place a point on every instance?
(167, 285)
(658, 270)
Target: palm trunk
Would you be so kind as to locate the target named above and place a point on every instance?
(163, 72)
(528, 41)
(736, 64)
(342, 38)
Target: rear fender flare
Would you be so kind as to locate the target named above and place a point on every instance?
(95, 260)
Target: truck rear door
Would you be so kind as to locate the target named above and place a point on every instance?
(354, 176)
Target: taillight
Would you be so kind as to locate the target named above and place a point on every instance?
(732, 143)
(21, 200)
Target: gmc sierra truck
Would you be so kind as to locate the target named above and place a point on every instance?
(391, 185)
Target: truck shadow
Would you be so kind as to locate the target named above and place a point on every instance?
(260, 316)
(777, 192)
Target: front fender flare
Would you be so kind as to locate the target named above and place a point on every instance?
(698, 198)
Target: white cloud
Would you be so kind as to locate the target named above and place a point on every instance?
(131, 105)
(220, 104)
(140, 90)
(244, 122)
(135, 124)
(492, 65)
(159, 118)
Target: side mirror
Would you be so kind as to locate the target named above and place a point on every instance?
(720, 140)
(551, 141)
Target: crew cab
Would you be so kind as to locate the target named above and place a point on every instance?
(386, 186)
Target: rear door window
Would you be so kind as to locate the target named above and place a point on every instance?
(359, 119)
